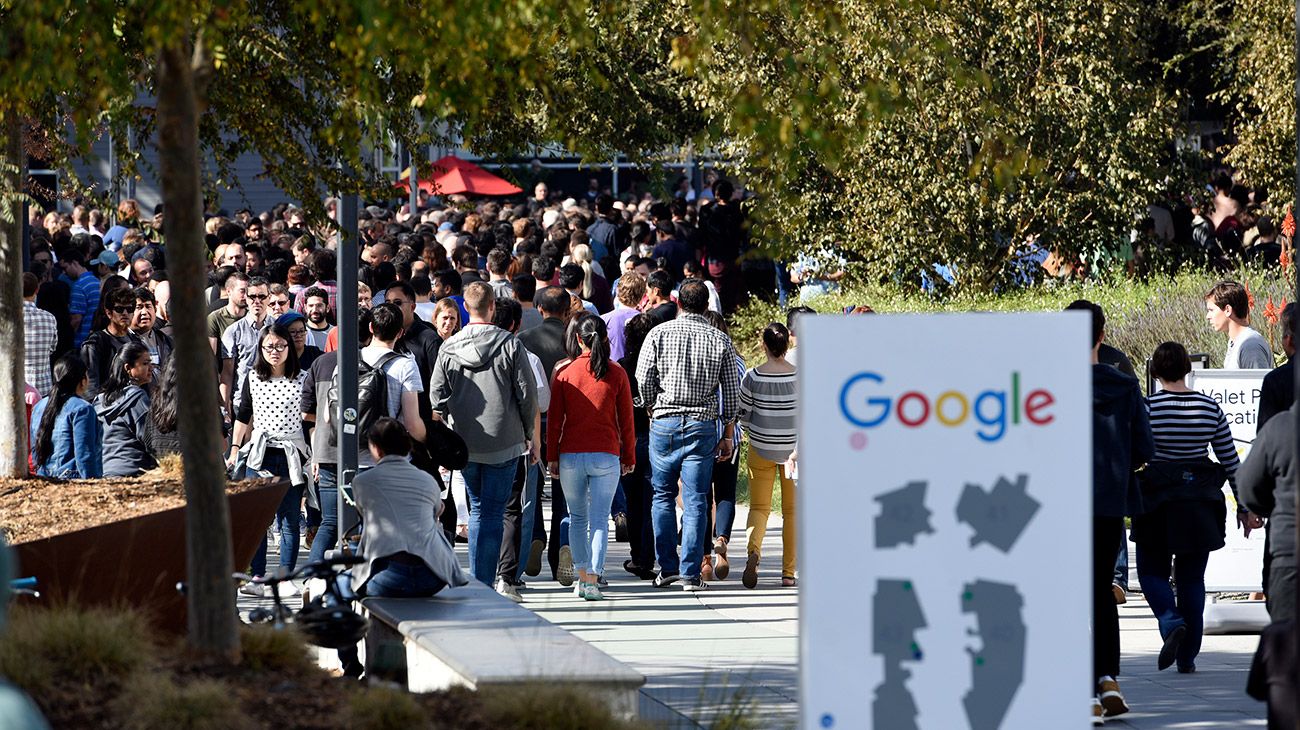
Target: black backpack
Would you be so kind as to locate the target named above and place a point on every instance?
(372, 398)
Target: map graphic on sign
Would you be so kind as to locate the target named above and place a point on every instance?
(903, 516)
(896, 616)
(998, 666)
(1000, 516)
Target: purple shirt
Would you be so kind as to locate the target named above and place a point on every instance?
(615, 321)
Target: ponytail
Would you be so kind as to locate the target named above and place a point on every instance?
(69, 371)
(592, 333)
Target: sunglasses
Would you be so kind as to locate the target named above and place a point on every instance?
(257, 297)
(122, 310)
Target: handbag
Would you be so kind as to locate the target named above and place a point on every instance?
(446, 448)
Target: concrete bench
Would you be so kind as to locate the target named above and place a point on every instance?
(472, 636)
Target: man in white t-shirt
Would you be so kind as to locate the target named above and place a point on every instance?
(1227, 309)
(404, 386)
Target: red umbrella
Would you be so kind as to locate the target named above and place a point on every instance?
(452, 175)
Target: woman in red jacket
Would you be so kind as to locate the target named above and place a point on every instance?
(589, 427)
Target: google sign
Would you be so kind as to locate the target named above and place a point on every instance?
(866, 402)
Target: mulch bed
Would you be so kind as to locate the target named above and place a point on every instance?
(37, 507)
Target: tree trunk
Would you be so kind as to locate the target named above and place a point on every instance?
(213, 621)
(13, 414)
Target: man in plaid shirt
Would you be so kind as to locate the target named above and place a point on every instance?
(685, 365)
(41, 332)
(323, 265)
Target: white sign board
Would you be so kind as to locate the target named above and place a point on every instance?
(945, 521)
(1238, 566)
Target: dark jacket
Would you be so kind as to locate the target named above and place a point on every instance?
(546, 341)
(1276, 394)
(125, 433)
(1121, 442)
(1266, 483)
(98, 352)
(165, 347)
(422, 342)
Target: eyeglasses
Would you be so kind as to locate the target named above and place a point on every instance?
(279, 302)
(257, 297)
(298, 333)
(274, 348)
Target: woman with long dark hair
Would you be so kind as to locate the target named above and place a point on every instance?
(65, 433)
(163, 436)
(590, 431)
(268, 429)
(123, 408)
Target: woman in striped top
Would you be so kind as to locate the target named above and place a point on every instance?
(767, 413)
(1182, 525)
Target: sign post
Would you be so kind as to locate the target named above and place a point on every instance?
(945, 521)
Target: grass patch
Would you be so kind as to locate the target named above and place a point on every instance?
(547, 707)
(282, 651)
(157, 702)
(53, 646)
(381, 708)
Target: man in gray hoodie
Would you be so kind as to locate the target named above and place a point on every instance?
(483, 386)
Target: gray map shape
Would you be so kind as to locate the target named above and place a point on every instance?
(896, 617)
(999, 516)
(903, 516)
(998, 667)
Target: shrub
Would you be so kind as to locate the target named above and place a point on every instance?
(381, 708)
(282, 651)
(63, 645)
(547, 707)
(157, 702)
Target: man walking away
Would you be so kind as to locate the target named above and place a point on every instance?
(685, 365)
(1121, 443)
(483, 385)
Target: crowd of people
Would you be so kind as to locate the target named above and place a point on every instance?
(582, 345)
(575, 345)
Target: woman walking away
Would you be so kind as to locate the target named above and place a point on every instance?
(268, 431)
(123, 408)
(1182, 493)
(65, 432)
(589, 426)
(162, 435)
(768, 401)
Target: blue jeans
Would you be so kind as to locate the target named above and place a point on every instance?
(619, 505)
(286, 517)
(488, 488)
(401, 580)
(724, 496)
(681, 448)
(328, 534)
(1188, 607)
(1121, 563)
(591, 479)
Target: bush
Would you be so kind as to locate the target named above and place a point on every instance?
(156, 702)
(547, 707)
(380, 708)
(1139, 314)
(268, 649)
(67, 645)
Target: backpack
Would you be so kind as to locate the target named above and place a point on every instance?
(372, 398)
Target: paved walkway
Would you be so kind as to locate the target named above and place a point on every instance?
(731, 651)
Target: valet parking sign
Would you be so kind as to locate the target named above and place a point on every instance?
(945, 521)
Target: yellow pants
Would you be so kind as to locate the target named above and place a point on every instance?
(762, 477)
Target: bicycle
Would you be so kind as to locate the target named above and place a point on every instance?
(327, 620)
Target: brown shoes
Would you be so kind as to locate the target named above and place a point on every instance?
(723, 567)
(750, 578)
(706, 569)
(1120, 597)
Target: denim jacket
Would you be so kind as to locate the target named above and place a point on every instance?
(77, 452)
